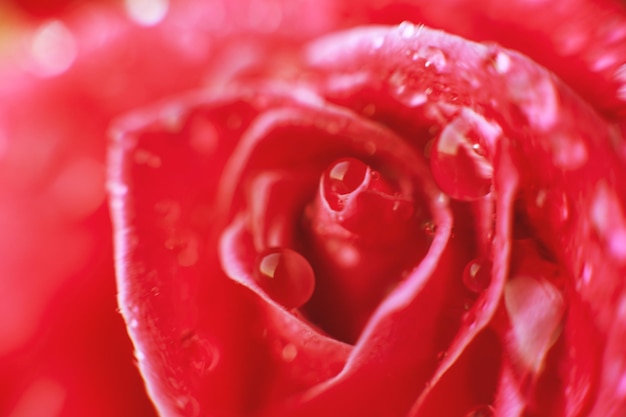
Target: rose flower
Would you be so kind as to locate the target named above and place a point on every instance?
(384, 209)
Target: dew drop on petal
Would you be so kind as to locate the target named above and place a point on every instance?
(459, 164)
(286, 276)
(146, 12)
(199, 353)
(477, 275)
(341, 179)
(502, 63)
(407, 29)
(435, 57)
(535, 308)
(289, 352)
(481, 411)
(430, 229)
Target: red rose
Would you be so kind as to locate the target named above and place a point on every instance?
(387, 221)
(284, 247)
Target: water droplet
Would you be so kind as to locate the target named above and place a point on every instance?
(538, 99)
(586, 273)
(497, 60)
(481, 411)
(342, 179)
(460, 168)
(536, 309)
(477, 275)
(415, 100)
(407, 29)
(289, 352)
(430, 229)
(434, 57)
(139, 355)
(146, 12)
(286, 276)
(53, 49)
(199, 353)
(502, 62)
(559, 209)
(133, 323)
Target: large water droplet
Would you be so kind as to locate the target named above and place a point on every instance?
(341, 179)
(477, 275)
(459, 162)
(286, 276)
(481, 411)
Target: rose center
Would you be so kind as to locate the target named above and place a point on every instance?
(363, 234)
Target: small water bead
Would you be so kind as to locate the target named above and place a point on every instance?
(407, 29)
(481, 411)
(459, 163)
(430, 228)
(285, 276)
(435, 57)
(477, 275)
(289, 352)
(341, 179)
(199, 353)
